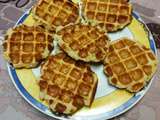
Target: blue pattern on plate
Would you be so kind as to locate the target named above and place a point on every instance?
(24, 91)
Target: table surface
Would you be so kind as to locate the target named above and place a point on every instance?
(14, 107)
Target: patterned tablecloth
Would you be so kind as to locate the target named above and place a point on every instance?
(14, 107)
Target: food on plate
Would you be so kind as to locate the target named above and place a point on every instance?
(67, 85)
(83, 42)
(111, 15)
(129, 64)
(26, 46)
(54, 13)
(66, 81)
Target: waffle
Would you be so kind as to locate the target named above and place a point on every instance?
(53, 13)
(129, 64)
(111, 15)
(26, 46)
(83, 42)
(66, 85)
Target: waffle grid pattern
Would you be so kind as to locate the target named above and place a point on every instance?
(26, 46)
(83, 42)
(129, 65)
(111, 15)
(55, 13)
(66, 84)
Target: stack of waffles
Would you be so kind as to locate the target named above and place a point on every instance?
(67, 82)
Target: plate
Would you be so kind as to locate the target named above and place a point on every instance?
(109, 102)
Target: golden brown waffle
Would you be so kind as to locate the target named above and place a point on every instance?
(66, 84)
(83, 42)
(26, 46)
(129, 64)
(53, 13)
(111, 15)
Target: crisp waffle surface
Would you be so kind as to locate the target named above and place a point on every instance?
(129, 64)
(83, 42)
(111, 15)
(26, 46)
(53, 13)
(67, 85)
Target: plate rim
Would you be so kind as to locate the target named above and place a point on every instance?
(111, 114)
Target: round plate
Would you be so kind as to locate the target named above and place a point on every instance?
(109, 101)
